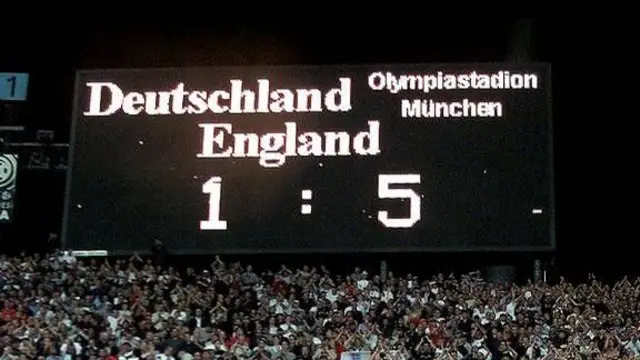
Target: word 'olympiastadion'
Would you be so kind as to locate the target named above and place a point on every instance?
(501, 80)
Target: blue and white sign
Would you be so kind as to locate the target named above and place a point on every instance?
(13, 86)
(8, 176)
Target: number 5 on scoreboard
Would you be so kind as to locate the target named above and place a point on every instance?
(386, 192)
(213, 187)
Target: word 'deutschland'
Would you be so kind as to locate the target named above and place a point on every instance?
(107, 98)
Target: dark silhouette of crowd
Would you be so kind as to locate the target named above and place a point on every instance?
(63, 307)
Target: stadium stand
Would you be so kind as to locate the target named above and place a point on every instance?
(62, 307)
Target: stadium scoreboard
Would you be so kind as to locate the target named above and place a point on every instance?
(312, 158)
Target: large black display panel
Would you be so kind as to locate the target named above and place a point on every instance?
(312, 158)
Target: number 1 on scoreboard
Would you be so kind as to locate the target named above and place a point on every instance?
(213, 187)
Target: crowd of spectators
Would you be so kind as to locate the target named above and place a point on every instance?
(62, 307)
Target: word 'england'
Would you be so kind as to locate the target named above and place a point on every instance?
(107, 98)
(272, 149)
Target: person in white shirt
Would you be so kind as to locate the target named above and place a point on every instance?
(167, 354)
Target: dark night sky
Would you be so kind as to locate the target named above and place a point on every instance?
(595, 142)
